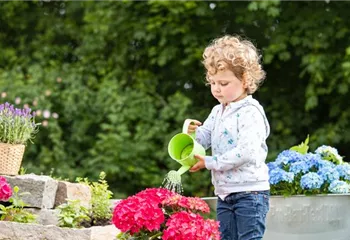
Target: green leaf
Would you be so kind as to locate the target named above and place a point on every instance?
(303, 147)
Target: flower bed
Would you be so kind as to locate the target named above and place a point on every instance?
(297, 172)
(159, 213)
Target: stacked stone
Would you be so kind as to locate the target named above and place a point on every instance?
(45, 194)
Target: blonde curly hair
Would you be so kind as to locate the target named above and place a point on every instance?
(238, 55)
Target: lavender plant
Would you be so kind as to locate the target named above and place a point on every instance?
(297, 171)
(17, 126)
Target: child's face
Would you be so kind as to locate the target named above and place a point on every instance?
(226, 87)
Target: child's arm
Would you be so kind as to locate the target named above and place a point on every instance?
(203, 132)
(252, 133)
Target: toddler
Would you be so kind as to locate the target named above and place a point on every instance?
(236, 130)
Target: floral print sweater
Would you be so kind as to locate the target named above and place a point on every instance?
(237, 137)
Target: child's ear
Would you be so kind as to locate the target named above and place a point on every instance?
(244, 80)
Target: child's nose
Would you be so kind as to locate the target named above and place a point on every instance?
(217, 88)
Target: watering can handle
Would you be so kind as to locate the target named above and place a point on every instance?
(185, 127)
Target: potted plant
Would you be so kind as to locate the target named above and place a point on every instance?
(310, 195)
(157, 213)
(17, 127)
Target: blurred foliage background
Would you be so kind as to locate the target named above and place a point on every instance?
(112, 81)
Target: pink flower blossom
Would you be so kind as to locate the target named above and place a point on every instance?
(186, 225)
(141, 211)
(194, 204)
(190, 203)
(160, 212)
(155, 195)
(5, 190)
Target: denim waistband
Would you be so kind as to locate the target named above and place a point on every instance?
(266, 192)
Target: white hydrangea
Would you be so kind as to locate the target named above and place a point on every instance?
(329, 153)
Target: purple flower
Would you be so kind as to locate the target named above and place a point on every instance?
(16, 125)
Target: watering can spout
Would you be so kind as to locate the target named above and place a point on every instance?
(183, 169)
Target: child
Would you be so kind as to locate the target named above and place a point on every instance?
(236, 131)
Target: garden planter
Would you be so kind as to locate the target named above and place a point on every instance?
(11, 158)
(317, 217)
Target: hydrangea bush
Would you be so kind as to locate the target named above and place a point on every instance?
(157, 213)
(298, 171)
(17, 126)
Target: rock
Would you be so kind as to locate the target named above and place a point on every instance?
(42, 189)
(104, 233)
(26, 231)
(73, 191)
(45, 216)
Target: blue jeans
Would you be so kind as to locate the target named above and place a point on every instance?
(242, 215)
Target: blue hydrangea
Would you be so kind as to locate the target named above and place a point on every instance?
(344, 170)
(272, 165)
(325, 163)
(299, 167)
(338, 186)
(288, 156)
(278, 175)
(312, 159)
(328, 174)
(311, 181)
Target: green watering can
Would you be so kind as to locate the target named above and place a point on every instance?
(182, 148)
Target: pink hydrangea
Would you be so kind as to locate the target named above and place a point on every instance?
(155, 195)
(135, 214)
(157, 212)
(5, 190)
(186, 225)
(189, 203)
(194, 204)
(141, 211)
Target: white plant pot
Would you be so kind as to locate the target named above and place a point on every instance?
(319, 217)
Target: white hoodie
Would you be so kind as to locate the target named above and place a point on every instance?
(237, 137)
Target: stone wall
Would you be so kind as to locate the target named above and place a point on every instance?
(45, 194)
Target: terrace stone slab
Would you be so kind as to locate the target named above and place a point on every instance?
(42, 189)
(73, 191)
(45, 216)
(26, 231)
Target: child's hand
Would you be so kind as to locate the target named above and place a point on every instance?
(193, 126)
(199, 165)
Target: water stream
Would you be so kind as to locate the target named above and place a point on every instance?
(172, 181)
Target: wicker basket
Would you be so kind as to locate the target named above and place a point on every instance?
(11, 158)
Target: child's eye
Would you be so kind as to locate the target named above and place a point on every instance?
(223, 84)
